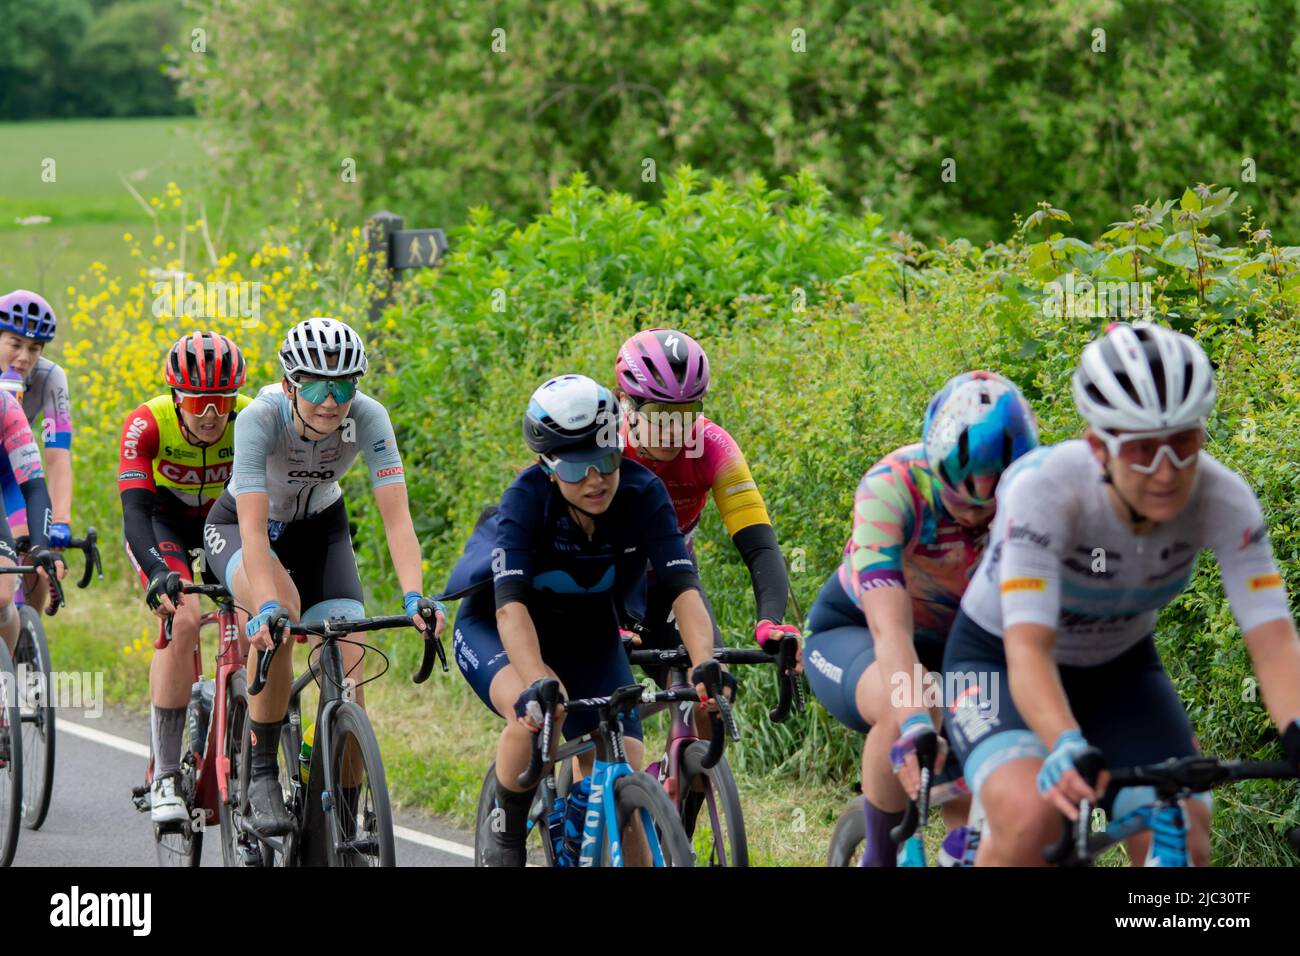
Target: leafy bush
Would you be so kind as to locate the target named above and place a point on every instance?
(452, 105)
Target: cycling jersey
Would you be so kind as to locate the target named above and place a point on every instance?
(155, 455)
(20, 467)
(903, 537)
(1062, 557)
(160, 475)
(45, 392)
(299, 475)
(710, 463)
(532, 550)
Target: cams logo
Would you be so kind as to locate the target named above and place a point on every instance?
(131, 444)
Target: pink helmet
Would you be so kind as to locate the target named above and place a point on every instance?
(661, 365)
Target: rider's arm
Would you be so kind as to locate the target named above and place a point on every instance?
(403, 545)
(743, 512)
(1036, 681)
(384, 462)
(889, 619)
(512, 576)
(25, 465)
(57, 428)
(1035, 526)
(1257, 593)
(136, 487)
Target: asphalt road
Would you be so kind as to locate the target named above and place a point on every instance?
(92, 821)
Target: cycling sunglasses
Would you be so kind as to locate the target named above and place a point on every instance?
(315, 390)
(574, 472)
(198, 404)
(1142, 451)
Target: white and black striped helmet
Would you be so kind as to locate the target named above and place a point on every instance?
(1143, 377)
(309, 344)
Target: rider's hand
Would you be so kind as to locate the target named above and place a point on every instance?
(766, 631)
(258, 627)
(705, 675)
(60, 535)
(163, 584)
(1291, 741)
(1058, 780)
(414, 604)
(902, 755)
(43, 558)
(528, 708)
(627, 636)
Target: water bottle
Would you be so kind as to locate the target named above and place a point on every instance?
(304, 755)
(555, 830)
(575, 819)
(12, 382)
(199, 714)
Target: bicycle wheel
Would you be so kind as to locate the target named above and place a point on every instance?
(237, 847)
(359, 824)
(639, 795)
(294, 792)
(11, 759)
(849, 837)
(711, 812)
(36, 701)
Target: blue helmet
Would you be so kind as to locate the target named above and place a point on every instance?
(977, 424)
(27, 314)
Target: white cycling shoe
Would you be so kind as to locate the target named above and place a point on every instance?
(167, 807)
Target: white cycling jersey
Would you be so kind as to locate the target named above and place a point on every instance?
(1060, 555)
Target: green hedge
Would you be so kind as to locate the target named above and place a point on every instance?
(817, 387)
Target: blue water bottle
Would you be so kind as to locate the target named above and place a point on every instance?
(12, 382)
(575, 819)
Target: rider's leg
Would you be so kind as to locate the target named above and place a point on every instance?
(9, 622)
(1020, 823)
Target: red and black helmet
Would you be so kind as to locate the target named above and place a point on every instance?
(204, 362)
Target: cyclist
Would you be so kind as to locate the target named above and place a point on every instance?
(1093, 537)
(661, 378)
(278, 536)
(175, 458)
(21, 463)
(920, 521)
(27, 325)
(568, 543)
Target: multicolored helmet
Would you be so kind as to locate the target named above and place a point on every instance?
(204, 362)
(574, 418)
(977, 424)
(661, 365)
(27, 314)
(1143, 377)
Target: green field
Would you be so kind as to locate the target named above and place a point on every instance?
(88, 206)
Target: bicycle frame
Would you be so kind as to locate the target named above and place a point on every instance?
(212, 777)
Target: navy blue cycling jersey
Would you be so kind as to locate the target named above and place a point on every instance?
(533, 551)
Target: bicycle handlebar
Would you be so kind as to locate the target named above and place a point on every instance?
(1169, 778)
(326, 629)
(918, 810)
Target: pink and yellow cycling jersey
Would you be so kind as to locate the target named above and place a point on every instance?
(903, 538)
(710, 462)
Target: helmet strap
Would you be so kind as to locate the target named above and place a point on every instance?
(294, 403)
(1135, 516)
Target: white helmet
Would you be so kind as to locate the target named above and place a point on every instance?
(1143, 377)
(309, 344)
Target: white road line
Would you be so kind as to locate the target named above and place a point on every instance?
(100, 737)
(140, 750)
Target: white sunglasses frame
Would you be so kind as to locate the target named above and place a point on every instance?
(1115, 442)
